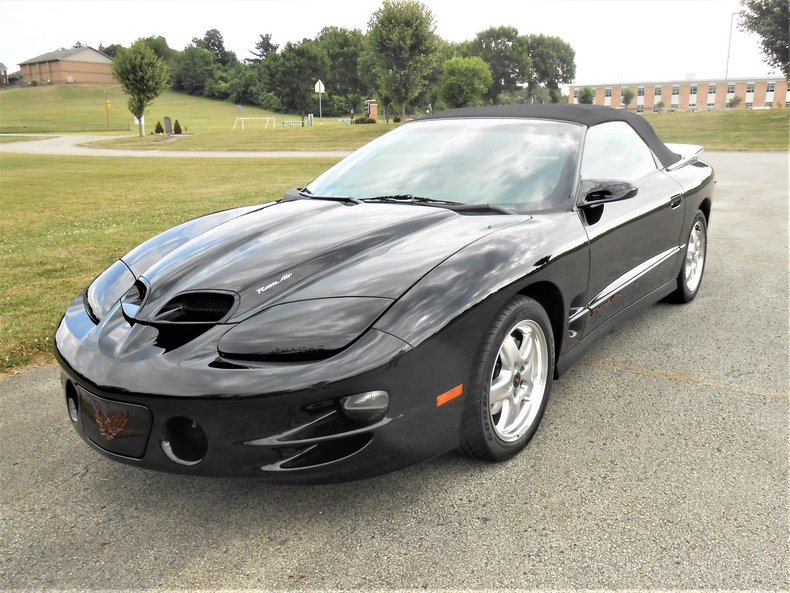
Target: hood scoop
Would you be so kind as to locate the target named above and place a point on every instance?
(197, 307)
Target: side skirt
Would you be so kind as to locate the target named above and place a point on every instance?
(567, 360)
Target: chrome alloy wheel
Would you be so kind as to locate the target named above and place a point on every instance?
(518, 380)
(695, 257)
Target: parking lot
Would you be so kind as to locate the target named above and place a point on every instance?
(662, 462)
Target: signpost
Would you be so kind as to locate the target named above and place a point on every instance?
(107, 105)
(319, 88)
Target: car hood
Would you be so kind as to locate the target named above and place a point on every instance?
(311, 249)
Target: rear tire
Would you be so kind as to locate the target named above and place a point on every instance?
(690, 277)
(511, 382)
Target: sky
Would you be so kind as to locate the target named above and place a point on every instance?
(615, 40)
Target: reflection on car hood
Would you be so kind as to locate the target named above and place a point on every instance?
(307, 249)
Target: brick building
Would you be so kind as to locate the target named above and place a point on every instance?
(692, 95)
(76, 65)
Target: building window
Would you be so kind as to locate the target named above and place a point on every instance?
(693, 89)
(640, 91)
(750, 87)
(748, 104)
(730, 88)
(769, 103)
(675, 90)
(711, 105)
(658, 91)
(787, 103)
(769, 87)
(607, 93)
(711, 89)
(640, 108)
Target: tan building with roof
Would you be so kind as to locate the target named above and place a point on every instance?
(77, 65)
(692, 95)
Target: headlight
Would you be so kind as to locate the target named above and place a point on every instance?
(304, 330)
(108, 287)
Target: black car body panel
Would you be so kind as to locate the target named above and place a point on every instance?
(227, 346)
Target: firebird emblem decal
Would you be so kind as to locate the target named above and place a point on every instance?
(111, 427)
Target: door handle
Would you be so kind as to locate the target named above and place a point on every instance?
(675, 201)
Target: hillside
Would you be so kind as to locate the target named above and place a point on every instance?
(77, 108)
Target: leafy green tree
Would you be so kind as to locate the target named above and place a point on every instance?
(554, 63)
(734, 102)
(160, 47)
(465, 82)
(660, 106)
(213, 42)
(263, 47)
(403, 43)
(626, 97)
(506, 54)
(293, 74)
(770, 19)
(193, 68)
(110, 50)
(143, 76)
(346, 83)
(586, 95)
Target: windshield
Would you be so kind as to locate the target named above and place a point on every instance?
(518, 164)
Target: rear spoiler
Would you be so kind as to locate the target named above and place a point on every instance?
(688, 154)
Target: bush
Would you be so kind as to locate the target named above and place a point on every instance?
(177, 128)
(396, 119)
(159, 129)
(364, 120)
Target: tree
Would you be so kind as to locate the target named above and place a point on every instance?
(263, 47)
(160, 47)
(553, 63)
(293, 74)
(734, 102)
(110, 50)
(345, 81)
(403, 43)
(770, 20)
(505, 52)
(586, 95)
(660, 106)
(465, 82)
(143, 76)
(213, 42)
(193, 68)
(626, 97)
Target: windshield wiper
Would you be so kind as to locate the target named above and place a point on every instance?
(454, 206)
(305, 194)
(409, 198)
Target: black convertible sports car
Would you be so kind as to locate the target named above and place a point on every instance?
(419, 296)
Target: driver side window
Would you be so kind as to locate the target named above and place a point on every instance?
(613, 150)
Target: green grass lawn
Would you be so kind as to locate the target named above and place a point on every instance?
(326, 137)
(64, 219)
(78, 108)
(10, 139)
(732, 129)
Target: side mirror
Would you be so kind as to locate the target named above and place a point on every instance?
(601, 191)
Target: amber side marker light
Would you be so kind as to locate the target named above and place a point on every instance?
(449, 395)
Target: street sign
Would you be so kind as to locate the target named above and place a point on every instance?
(319, 88)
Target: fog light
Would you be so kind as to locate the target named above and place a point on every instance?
(366, 407)
(71, 402)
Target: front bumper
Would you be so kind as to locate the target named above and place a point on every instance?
(185, 411)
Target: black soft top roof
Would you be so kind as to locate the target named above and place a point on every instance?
(586, 115)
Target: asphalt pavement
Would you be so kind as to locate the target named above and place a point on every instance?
(662, 463)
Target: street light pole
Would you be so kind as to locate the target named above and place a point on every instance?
(729, 45)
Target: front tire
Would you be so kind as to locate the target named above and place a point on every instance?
(511, 382)
(690, 277)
